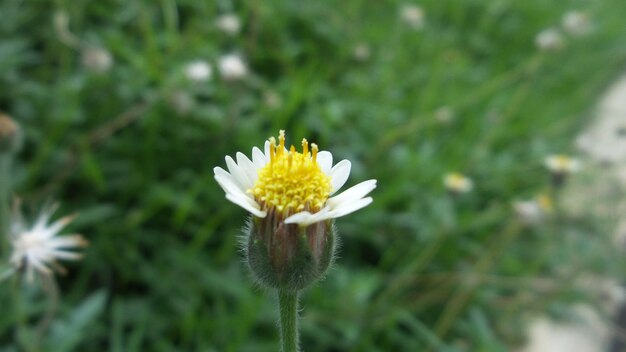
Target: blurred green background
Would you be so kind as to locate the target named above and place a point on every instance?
(131, 147)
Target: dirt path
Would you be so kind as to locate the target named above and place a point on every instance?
(603, 144)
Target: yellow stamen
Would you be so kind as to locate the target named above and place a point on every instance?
(305, 146)
(281, 141)
(314, 150)
(291, 181)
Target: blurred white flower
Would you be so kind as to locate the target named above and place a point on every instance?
(272, 99)
(576, 23)
(457, 183)
(534, 211)
(413, 16)
(229, 24)
(181, 101)
(562, 164)
(361, 52)
(199, 71)
(97, 59)
(232, 67)
(444, 114)
(549, 39)
(38, 248)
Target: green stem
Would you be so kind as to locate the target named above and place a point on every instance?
(288, 306)
(5, 194)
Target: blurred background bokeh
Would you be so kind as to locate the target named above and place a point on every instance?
(127, 106)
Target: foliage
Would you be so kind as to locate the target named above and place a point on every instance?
(418, 269)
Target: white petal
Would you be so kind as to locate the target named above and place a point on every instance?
(247, 199)
(43, 218)
(65, 242)
(61, 254)
(339, 175)
(238, 173)
(242, 203)
(305, 218)
(258, 158)
(229, 186)
(325, 161)
(55, 227)
(218, 171)
(266, 149)
(247, 166)
(351, 194)
(35, 262)
(351, 207)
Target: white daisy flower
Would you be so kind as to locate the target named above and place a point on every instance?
(229, 24)
(97, 59)
(562, 164)
(534, 211)
(444, 114)
(290, 185)
(412, 15)
(38, 248)
(576, 23)
(361, 52)
(272, 99)
(457, 183)
(232, 67)
(198, 71)
(549, 39)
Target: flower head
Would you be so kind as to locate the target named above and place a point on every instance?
(199, 71)
(560, 167)
(457, 183)
(576, 23)
(229, 24)
(97, 59)
(290, 240)
(444, 115)
(413, 16)
(361, 52)
(295, 186)
(549, 39)
(534, 211)
(562, 164)
(38, 248)
(232, 67)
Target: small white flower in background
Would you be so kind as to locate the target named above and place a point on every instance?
(199, 71)
(549, 39)
(560, 167)
(576, 23)
(534, 211)
(444, 114)
(361, 52)
(181, 101)
(562, 164)
(413, 16)
(272, 100)
(457, 183)
(290, 186)
(38, 248)
(229, 24)
(97, 59)
(232, 67)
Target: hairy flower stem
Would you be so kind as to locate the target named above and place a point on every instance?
(5, 191)
(288, 306)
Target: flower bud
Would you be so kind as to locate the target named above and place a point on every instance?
(10, 135)
(289, 256)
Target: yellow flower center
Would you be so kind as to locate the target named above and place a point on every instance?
(291, 181)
